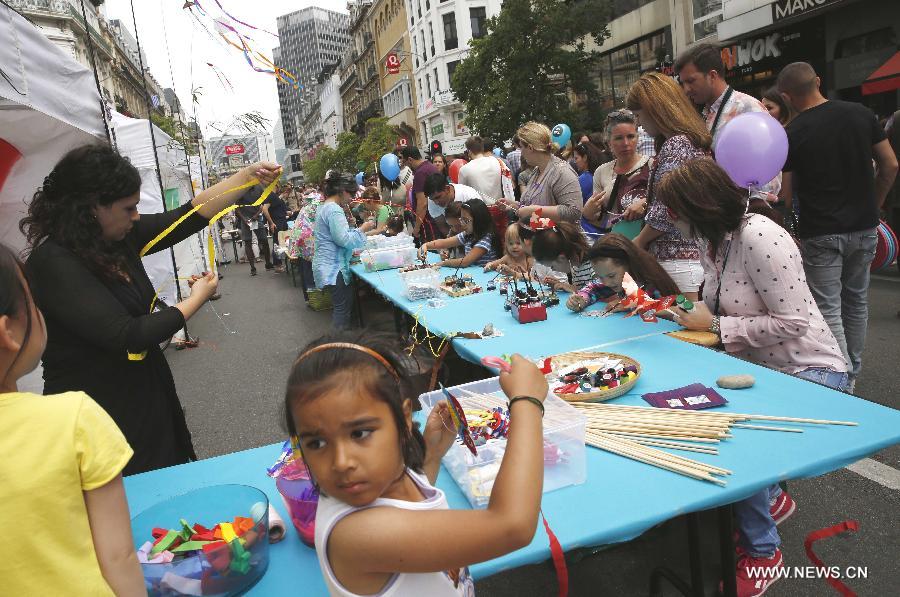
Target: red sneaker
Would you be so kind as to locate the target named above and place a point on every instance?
(755, 575)
(783, 507)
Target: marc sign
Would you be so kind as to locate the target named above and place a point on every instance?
(786, 9)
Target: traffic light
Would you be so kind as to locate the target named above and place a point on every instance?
(436, 148)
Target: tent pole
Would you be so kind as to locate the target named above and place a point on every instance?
(87, 32)
(162, 190)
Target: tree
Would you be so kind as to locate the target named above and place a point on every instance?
(532, 60)
(172, 128)
(381, 138)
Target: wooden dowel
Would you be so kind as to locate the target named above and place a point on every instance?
(685, 438)
(767, 428)
(623, 450)
(663, 455)
(729, 415)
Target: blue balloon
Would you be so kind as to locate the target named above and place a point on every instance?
(498, 152)
(390, 166)
(359, 178)
(561, 134)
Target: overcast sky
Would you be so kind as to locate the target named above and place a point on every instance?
(159, 21)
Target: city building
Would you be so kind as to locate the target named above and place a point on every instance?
(114, 48)
(360, 88)
(331, 108)
(395, 67)
(439, 33)
(845, 40)
(309, 39)
(229, 153)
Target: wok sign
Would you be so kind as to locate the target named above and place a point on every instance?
(392, 64)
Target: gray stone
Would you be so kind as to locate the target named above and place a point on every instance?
(735, 382)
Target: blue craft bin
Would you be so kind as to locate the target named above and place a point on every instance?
(207, 506)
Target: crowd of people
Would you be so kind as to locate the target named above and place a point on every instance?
(643, 197)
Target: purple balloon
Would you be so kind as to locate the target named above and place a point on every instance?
(752, 149)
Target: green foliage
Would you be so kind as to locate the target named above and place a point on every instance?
(174, 129)
(533, 59)
(381, 138)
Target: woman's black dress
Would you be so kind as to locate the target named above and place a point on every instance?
(92, 326)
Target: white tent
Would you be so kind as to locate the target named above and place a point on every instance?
(48, 105)
(132, 137)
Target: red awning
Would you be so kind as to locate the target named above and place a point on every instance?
(886, 78)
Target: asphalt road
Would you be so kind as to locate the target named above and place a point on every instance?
(232, 387)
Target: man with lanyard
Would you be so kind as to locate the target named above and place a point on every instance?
(702, 74)
(251, 219)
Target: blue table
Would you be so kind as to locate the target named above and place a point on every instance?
(621, 498)
(563, 331)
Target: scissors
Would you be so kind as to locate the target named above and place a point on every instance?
(497, 363)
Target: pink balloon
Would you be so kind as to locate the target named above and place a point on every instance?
(752, 149)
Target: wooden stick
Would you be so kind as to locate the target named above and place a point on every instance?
(665, 456)
(677, 446)
(729, 415)
(631, 434)
(767, 428)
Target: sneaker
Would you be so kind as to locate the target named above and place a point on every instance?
(279, 269)
(764, 574)
(253, 271)
(782, 508)
(270, 268)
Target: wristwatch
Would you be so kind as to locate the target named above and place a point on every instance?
(714, 326)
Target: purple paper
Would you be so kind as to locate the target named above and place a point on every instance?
(693, 397)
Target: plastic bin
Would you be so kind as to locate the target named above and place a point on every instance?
(301, 499)
(564, 449)
(421, 284)
(381, 259)
(380, 241)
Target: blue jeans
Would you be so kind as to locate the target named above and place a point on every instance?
(837, 272)
(342, 300)
(759, 535)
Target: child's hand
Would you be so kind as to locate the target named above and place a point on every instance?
(445, 255)
(576, 303)
(524, 379)
(439, 432)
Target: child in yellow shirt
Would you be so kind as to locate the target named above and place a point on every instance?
(63, 503)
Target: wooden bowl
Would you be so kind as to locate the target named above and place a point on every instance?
(570, 358)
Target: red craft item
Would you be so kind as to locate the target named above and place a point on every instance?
(529, 313)
(841, 527)
(459, 420)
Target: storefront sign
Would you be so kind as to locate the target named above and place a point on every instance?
(235, 160)
(403, 142)
(392, 64)
(233, 149)
(459, 121)
(785, 9)
(751, 50)
(437, 129)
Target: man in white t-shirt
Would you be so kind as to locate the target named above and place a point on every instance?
(484, 173)
(442, 193)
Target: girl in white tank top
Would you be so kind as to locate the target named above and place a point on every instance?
(382, 528)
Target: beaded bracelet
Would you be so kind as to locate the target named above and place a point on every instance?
(531, 399)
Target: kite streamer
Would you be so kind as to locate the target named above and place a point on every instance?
(222, 78)
(236, 20)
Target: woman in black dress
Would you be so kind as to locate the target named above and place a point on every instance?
(84, 234)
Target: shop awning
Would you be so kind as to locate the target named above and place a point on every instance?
(885, 78)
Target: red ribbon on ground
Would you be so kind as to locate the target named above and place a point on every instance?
(559, 559)
(841, 527)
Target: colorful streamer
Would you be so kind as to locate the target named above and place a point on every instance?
(236, 20)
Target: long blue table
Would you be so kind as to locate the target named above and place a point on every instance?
(621, 498)
(563, 330)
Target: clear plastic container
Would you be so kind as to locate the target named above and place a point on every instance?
(564, 450)
(421, 284)
(301, 499)
(380, 259)
(380, 241)
(216, 571)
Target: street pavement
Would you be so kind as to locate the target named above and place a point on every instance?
(232, 387)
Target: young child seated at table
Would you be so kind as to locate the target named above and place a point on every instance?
(395, 225)
(515, 261)
(477, 238)
(612, 257)
(375, 211)
(349, 407)
(561, 247)
(63, 502)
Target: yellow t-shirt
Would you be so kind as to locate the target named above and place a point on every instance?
(52, 448)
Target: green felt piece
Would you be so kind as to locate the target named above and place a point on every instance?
(191, 546)
(164, 543)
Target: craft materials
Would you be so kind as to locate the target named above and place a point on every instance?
(639, 433)
(457, 285)
(459, 420)
(486, 410)
(582, 376)
(691, 397)
(736, 382)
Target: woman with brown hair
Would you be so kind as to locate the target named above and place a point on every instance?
(757, 300)
(667, 115)
(553, 186)
(612, 257)
(619, 199)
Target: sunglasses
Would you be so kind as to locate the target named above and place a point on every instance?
(620, 114)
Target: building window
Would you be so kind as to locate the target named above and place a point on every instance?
(451, 42)
(420, 8)
(424, 47)
(437, 81)
(451, 68)
(431, 35)
(707, 13)
(477, 17)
